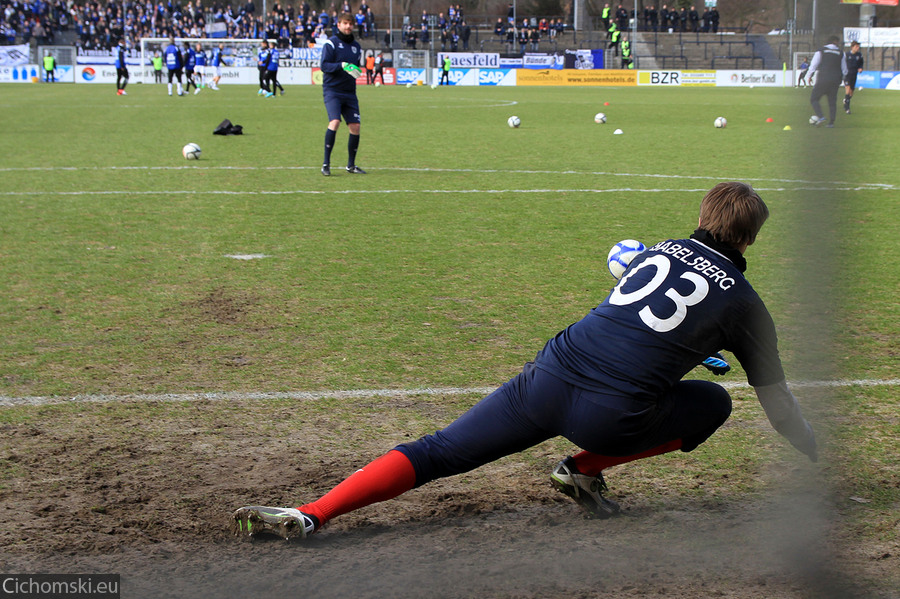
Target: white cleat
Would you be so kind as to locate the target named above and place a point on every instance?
(284, 522)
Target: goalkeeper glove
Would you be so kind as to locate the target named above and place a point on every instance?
(716, 364)
(351, 69)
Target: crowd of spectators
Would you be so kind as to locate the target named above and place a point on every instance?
(99, 25)
(662, 19)
(451, 30)
(527, 34)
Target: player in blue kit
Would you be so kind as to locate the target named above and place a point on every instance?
(199, 68)
(174, 64)
(272, 72)
(341, 65)
(218, 59)
(610, 383)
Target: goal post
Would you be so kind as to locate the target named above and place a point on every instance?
(235, 52)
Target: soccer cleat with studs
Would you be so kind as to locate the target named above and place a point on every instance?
(355, 170)
(284, 522)
(326, 170)
(587, 491)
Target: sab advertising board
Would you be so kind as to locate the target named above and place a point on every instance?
(33, 73)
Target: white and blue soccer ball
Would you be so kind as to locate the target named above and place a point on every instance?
(621, 255)
(599, 118)
(191, 151)
(720, 122)
(514, 121)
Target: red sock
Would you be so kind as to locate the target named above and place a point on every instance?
(385, 478)
(593, 464)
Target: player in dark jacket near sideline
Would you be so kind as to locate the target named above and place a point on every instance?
(831, 65)
(341, 65)
(854, 67)
(121, 69)
(610, 383)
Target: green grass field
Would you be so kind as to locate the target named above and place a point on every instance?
(466, 246)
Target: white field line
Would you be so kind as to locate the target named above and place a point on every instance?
(7, 401)
(358, 192)
(829, 184)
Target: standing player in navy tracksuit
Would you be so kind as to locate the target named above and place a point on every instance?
(190, 61)
(611, 383)
(855, 63)
(341, 65)
(262, 59)
(121, 69)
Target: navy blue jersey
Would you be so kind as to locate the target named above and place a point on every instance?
(120, 57)
(173, 57)
(217, 57)
(677, 303)
(334, 53)
(190, 59)
(262, 58)
(854, 63)
(272, 64)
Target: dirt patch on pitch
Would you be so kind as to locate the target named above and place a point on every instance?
(146, 491)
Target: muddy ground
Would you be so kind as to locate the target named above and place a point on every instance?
(146, 492)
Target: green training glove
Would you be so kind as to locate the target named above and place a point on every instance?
(351, 69)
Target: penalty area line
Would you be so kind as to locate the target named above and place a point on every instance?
(226, 396)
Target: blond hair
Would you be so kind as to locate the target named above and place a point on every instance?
(733, 213)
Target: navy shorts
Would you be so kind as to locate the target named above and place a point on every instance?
(342, 105)
(536, 406)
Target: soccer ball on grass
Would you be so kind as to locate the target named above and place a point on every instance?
(621, 255)
(191, 151)
(720, 122)
(514, 121)
(599, 118)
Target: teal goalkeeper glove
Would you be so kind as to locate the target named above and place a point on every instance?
(716, 364)
(351, 69)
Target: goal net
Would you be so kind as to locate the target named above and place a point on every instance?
(235, 52)
(414, 59)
